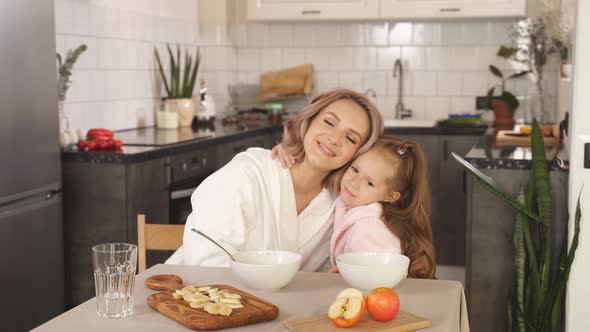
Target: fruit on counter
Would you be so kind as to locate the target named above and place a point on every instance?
(526, 130)
(348, 308)
(95, 133)
(383, 304)
(213, 300)
(99, 139)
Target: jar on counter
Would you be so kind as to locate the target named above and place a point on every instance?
(275, 112)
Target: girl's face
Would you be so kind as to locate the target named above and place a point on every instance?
(335, 134)
(366, 180)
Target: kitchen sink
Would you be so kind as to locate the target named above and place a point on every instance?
(409, 123)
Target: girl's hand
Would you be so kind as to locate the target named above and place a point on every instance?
(286, 160)
(334, 269)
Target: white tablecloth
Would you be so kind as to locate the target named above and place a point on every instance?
(309, 294)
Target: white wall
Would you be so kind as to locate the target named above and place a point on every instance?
(578, 292)
(114, 78)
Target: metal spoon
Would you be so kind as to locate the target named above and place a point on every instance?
(217, 244)
(335, 258)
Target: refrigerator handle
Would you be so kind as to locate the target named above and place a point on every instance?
(45, 196)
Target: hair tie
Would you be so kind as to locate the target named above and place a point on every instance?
(401, 149)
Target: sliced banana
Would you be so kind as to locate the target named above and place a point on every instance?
(229, 295)
(189, 289)
(198, 305)
(179, 291)
(211, 308)
(177, 296)
(233, 305)
(204, 288)
(234, 301)
(212, 291)
(225, 310)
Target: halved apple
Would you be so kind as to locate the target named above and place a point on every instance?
(346, 311)
(353, 292)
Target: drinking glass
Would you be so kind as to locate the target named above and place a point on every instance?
(114, 278)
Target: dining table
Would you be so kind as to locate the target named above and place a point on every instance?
(308, 294)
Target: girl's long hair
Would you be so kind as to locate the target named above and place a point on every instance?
(409, 216)
(295, 129)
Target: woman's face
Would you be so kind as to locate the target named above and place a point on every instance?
(335, 134)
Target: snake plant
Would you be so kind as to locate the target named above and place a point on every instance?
(536, 296)
(177, 86)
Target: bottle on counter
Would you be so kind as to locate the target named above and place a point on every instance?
(207, 105)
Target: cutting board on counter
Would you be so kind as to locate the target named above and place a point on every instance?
(515, 138)
(255, 310)
(404, 321)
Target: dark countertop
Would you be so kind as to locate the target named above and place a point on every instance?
(486, 154)
(151, 143)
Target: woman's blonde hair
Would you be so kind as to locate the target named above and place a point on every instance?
(296, 128)
(409, 217)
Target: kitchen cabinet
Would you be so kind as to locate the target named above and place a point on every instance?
(305, 10)
(437, 9)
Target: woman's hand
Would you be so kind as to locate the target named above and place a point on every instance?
(334, 269)
(286, 160)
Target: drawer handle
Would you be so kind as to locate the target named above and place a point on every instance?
(311, 12)
(450, 10)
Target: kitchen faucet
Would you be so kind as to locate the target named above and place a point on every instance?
(400, 111)
(370, 92)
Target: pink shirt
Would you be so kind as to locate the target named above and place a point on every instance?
(361, 229)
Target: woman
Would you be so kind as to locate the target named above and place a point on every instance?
(252, 203)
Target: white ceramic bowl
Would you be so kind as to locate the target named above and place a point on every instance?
(266, 269)
(366, 270)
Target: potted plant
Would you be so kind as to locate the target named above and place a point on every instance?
(64, 71)
(180, 84)
(536, 298)
(505, 103)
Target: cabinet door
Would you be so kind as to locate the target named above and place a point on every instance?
(411, 9)
(306, 10)
(450, 231)
(228, 150)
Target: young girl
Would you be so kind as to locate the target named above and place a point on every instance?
(384, 205)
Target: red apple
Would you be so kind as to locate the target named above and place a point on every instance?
(348, 308)
(383, 304)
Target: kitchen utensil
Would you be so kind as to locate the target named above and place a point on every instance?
(215, 242)
(404, 321)
(255, 310)
(516, 138)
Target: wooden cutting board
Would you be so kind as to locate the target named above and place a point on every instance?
(255, 310)
(404, 321)
(514, 138)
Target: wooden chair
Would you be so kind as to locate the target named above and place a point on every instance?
(156, 237)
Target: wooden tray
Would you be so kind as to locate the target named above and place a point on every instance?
(404, 321)
(255, 310)
(514, 138)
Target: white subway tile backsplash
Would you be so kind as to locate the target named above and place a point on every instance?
(365, 58)
(426, 34)
(214, 34)
(386, 57)
(424, 83)
(499, 31)
(257, 35)
(400, 33)
(248, 59)
(376, 34)
(81, 21)
(376, 81)
(341, 58)
(417, 106)
(486, 56)
(293, 57)
(475, 33)
(351, 34)
(413, 58)
(475, 83)
(452, 33)
(319, 57)
(327, 34)
(393, 84)
(351, 80)
(304, 35)
(464, 58)
(386, 105)
(281, 35)
(325, 81)
(437, 108)
(270, 59)
(463, 105)
(449, 84)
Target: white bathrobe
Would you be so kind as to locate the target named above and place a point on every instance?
(249, 204)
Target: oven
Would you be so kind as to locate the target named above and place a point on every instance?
(186, 171)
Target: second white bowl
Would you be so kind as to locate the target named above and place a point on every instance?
(366, 270)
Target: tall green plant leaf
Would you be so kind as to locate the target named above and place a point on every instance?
(543, 191)
(532, 276)
(186, 73)
(173, 78)
(161, 69)
(177, 73)
(493, 187)
(519, 263)
(193, 77)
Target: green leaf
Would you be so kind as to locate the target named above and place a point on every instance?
(496, 71)
(543, 190)
(173, 81)
(186, 73)
(532, 282)
(519, 74)
(193, 77)
(511, 100)
(161, 69)
(506, 52)
(519, 262)
(493, 187)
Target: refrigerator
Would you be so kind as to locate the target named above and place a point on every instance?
(31, 229)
